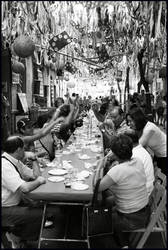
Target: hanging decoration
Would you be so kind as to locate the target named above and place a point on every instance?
(18, 67)
(70, 85)
(23, 46)
(60, 41)
(66, 76)
(70, 67)
(95, 31)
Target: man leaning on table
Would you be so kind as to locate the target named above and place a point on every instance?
(17, 179)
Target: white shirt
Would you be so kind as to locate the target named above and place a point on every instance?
(141, 153)
(130, 186)
(11, 180)
(154, 138)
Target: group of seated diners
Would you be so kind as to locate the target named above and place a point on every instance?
(131, 145)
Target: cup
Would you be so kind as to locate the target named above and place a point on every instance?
(59, 160)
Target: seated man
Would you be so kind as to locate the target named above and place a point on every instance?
(18, 180)
(118, 126)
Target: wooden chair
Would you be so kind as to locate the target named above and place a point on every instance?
(158, 205)
(160, 177)
(5, 243)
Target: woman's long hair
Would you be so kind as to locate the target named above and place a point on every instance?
(138, 117)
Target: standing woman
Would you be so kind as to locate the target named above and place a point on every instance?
(151, 136)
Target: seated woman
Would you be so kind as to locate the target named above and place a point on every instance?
(127, 180)
(150, 136)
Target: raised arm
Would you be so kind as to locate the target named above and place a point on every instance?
(100, 117)
(69, 118)
(44, 131)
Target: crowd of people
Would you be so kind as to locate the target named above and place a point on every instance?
(132, 144)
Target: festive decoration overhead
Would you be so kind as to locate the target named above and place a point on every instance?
(60, 41)
(18, 67)
(70, 67)
(23, 46)
(70, 84)
(98, 32)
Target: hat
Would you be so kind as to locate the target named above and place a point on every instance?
(24, 122)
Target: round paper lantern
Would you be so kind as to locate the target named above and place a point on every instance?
(70, 85)
(23, 46)
(18, 67)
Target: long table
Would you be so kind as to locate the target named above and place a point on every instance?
(82, 142)
(57, 191)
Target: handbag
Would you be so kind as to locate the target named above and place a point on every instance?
(98, 217)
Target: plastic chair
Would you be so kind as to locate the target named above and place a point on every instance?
(158, 205)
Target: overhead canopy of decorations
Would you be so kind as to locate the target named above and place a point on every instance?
(102, 36)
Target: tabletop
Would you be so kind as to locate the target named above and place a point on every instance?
(84, 141)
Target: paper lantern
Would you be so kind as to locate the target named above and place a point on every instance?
(23, 46)
(66, 77)
(18, 67)
(70, 85)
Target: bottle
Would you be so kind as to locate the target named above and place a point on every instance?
(58, 153)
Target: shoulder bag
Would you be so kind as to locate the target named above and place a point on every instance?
(97, 216)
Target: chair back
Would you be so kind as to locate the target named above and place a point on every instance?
(160, 177)
(157, 200)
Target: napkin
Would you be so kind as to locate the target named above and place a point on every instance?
(96, 149)
(87, 165)
(66, 152)
(66, 165)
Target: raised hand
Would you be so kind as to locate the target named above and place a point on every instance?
(94, 106)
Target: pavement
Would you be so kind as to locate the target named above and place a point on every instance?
(73, 231)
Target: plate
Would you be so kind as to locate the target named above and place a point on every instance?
(79, 186)
(56, 178)
(84, 157)
(57, 171)
(66, 152)
(84, 174)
